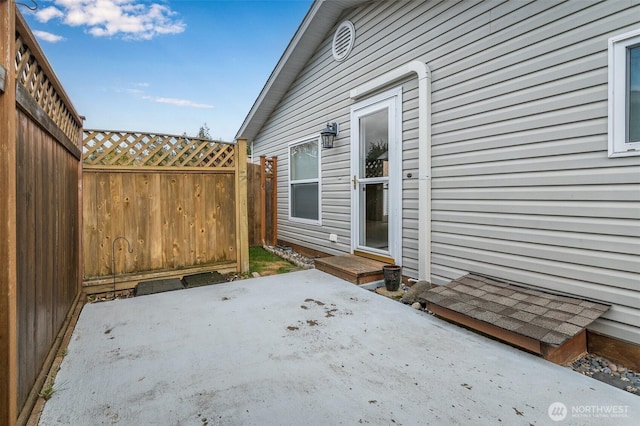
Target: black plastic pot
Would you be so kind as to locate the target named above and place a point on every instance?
(392, 277)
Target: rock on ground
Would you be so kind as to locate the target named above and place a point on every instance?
(292, 256)
(418, 288)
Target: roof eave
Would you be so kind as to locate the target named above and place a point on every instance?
(320, 18)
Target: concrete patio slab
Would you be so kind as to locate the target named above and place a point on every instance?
(306, 348)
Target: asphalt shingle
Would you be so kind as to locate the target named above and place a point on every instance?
(547, 317)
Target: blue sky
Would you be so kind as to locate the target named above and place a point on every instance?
(164, 66)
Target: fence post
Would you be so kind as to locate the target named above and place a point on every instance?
(8, 237)
(242, 223)
(263, 200)
(274, 200)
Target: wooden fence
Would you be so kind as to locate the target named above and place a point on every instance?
(39, 218)
(263, 202)
(158, 206)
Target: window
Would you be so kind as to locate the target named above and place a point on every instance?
(624, 95)
(304, 181)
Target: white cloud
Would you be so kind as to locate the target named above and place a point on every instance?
(48, 13)
(51, 38)
(177, 102)
(131, 19)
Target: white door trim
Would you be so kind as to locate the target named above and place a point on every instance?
(391, 99)
(423, 73)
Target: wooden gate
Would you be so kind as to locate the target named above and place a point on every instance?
(159, 206)
(263, 202)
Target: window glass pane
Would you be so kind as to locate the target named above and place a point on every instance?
(304, 161)
(304, 200)
(634, 94)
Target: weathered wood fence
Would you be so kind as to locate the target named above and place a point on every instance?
(263, 202)
(40, 140)
(158, 206)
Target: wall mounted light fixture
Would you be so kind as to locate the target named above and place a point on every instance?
(329, 134)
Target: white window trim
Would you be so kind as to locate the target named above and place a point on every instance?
(308, 139)
(618, 146)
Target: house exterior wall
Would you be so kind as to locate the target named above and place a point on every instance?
(522, 187)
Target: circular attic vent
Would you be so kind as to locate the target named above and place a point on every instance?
(343, 41)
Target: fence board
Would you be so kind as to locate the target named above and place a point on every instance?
(198, 226)
(155, 254)
(213, 220)
(253, 204)
(262, 200)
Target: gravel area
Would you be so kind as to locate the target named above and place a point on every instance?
(290, 255)
(606, 371)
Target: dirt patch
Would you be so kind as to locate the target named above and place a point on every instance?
(266, 263)
(276, 267)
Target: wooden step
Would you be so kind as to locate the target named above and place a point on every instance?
(546, 324)
(352, 268)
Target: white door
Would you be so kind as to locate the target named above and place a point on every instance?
(376, 174)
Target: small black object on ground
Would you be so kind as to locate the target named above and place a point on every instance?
(158, 286)
(205, 278)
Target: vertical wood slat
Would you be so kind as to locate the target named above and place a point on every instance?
(24, 291)
(274, 200)
(8, 232)
(199, 225)
(253, 204)
(212, 222)
(103, 210)
(263, 199)
(242, 233)
(41, 250)
(140, 226)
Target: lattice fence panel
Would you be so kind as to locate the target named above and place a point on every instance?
(114, 148)
(269, 166)
(42, 89)
(374, 168)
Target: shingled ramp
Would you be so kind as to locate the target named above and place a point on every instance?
(547, 324)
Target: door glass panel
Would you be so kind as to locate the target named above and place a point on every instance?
(374, 228)
(374, 145)
(374, 174)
